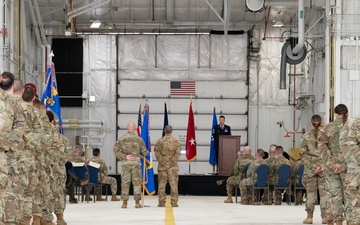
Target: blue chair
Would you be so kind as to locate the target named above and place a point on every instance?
(244, 172)
(94, 180)
(299, 186)
(82, 174)
(284, 173)
(262, 175)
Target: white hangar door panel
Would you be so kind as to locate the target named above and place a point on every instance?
(230, 101)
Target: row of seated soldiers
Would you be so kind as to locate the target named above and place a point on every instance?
(32, 158)
(245, 181)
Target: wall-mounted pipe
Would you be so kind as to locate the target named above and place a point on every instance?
(82, 126)
(301, 28)
(83, 121)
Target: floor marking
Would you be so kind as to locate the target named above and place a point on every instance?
(169, 213)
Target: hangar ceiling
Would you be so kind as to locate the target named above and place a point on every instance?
(162, 15)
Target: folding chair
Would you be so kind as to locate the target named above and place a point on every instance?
(244, 172)
(284, 172)
(94, 181)
(262, 173)
(81, 173)
(299, 186)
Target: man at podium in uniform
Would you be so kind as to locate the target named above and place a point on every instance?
(218, 130)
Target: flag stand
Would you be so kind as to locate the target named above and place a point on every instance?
(143, 187)
(189, 168)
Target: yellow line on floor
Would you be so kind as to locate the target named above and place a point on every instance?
(169, 213)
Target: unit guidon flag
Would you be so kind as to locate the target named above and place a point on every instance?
(182, 88)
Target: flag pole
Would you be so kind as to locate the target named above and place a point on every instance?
(211, 131)
(188, 128)
(143, 184)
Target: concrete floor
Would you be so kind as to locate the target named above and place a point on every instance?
(192, 210)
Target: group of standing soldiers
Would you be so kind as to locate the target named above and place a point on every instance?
(332, 159)
(32, 158)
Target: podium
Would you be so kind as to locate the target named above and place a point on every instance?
(229, 145)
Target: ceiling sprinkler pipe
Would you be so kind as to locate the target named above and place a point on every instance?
(301, 28)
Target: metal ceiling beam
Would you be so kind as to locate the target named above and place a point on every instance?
(85, 9)
(214, 10)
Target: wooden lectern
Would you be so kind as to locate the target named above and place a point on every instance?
(229, 145)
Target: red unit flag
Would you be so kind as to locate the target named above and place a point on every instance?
(190, 137)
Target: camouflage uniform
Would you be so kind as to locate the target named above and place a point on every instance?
(312, 181)
(251, 178)
(270, 162)
(352, 177)
(6, 124)
(295, 179)
(39, 154)
(238, 175)
(103, 174)
(277, 163)
(64, 154)
(167, 151)
(44, 204)
(328, 145)
(33, 134)
(130, 144)
(16, 165)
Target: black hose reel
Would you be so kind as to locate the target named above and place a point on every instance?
(287, 56)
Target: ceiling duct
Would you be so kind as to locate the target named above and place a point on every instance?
(294, 51)
(255, 5)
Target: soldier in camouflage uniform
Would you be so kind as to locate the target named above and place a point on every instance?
(271, 182)
(167, 151)
(332, 159)
(128, 150)
(18, 179)
(313, 178)
(237, 176)
(63, 153)
(31, 143)
(279, 161)
(6, 124)
(251, 177)
(295, 179)
(352, 178)
(43, 143)
(103, 176)
(44, 203)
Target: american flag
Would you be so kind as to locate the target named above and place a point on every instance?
(139, 123)
(182, 88)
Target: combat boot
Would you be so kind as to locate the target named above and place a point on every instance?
(60, 219)
(330, 222)
(99, 198)
(124, 205)
(323, 220)
(137, 204)
(309, 219)
(249, 201)
(244, 201)
(229, 199)
(114, 198)
(338, 222)
(161, 204)
(36, 220)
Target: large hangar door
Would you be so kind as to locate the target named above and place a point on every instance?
(149, 65)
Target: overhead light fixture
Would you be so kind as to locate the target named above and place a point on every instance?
(95, 24)
(278, 24)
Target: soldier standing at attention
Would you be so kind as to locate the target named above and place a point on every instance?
(167, 151)
(7, 118)
(103, 176)
(127, 149)
(313, 178)
(18, 175)
(332, 159)
(352, 177)
(235, 179)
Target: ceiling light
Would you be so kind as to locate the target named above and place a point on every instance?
(95, 24)
(278, 24)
